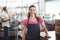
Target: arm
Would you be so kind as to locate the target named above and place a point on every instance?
(24, 33)
(5, 20)
(10, 16)
(45, 29)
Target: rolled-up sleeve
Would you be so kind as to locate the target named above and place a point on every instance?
(41, 20)
(25, 22)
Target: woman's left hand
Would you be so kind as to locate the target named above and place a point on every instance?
(48, 36)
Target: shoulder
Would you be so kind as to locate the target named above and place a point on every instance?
(40, 19)
(25, 22)
(3, 13)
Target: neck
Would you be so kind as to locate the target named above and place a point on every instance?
(5, 12)
(32, 16)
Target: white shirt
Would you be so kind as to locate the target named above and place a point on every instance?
(5, 17)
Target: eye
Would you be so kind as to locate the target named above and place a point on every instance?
(32, 10)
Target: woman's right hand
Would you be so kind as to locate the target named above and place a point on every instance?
(24, 33)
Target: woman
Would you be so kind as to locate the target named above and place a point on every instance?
(32, 24)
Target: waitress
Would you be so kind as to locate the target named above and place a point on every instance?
(31, 29)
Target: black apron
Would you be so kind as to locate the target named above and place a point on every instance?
(33, 32)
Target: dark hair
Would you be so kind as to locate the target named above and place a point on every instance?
(4, 8)
(32, 6)
(35, 14)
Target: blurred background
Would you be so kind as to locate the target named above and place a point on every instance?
(49, 10)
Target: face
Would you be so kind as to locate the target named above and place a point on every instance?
(6, 10)
(32, 11)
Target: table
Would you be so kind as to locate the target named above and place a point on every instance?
(52, 34)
